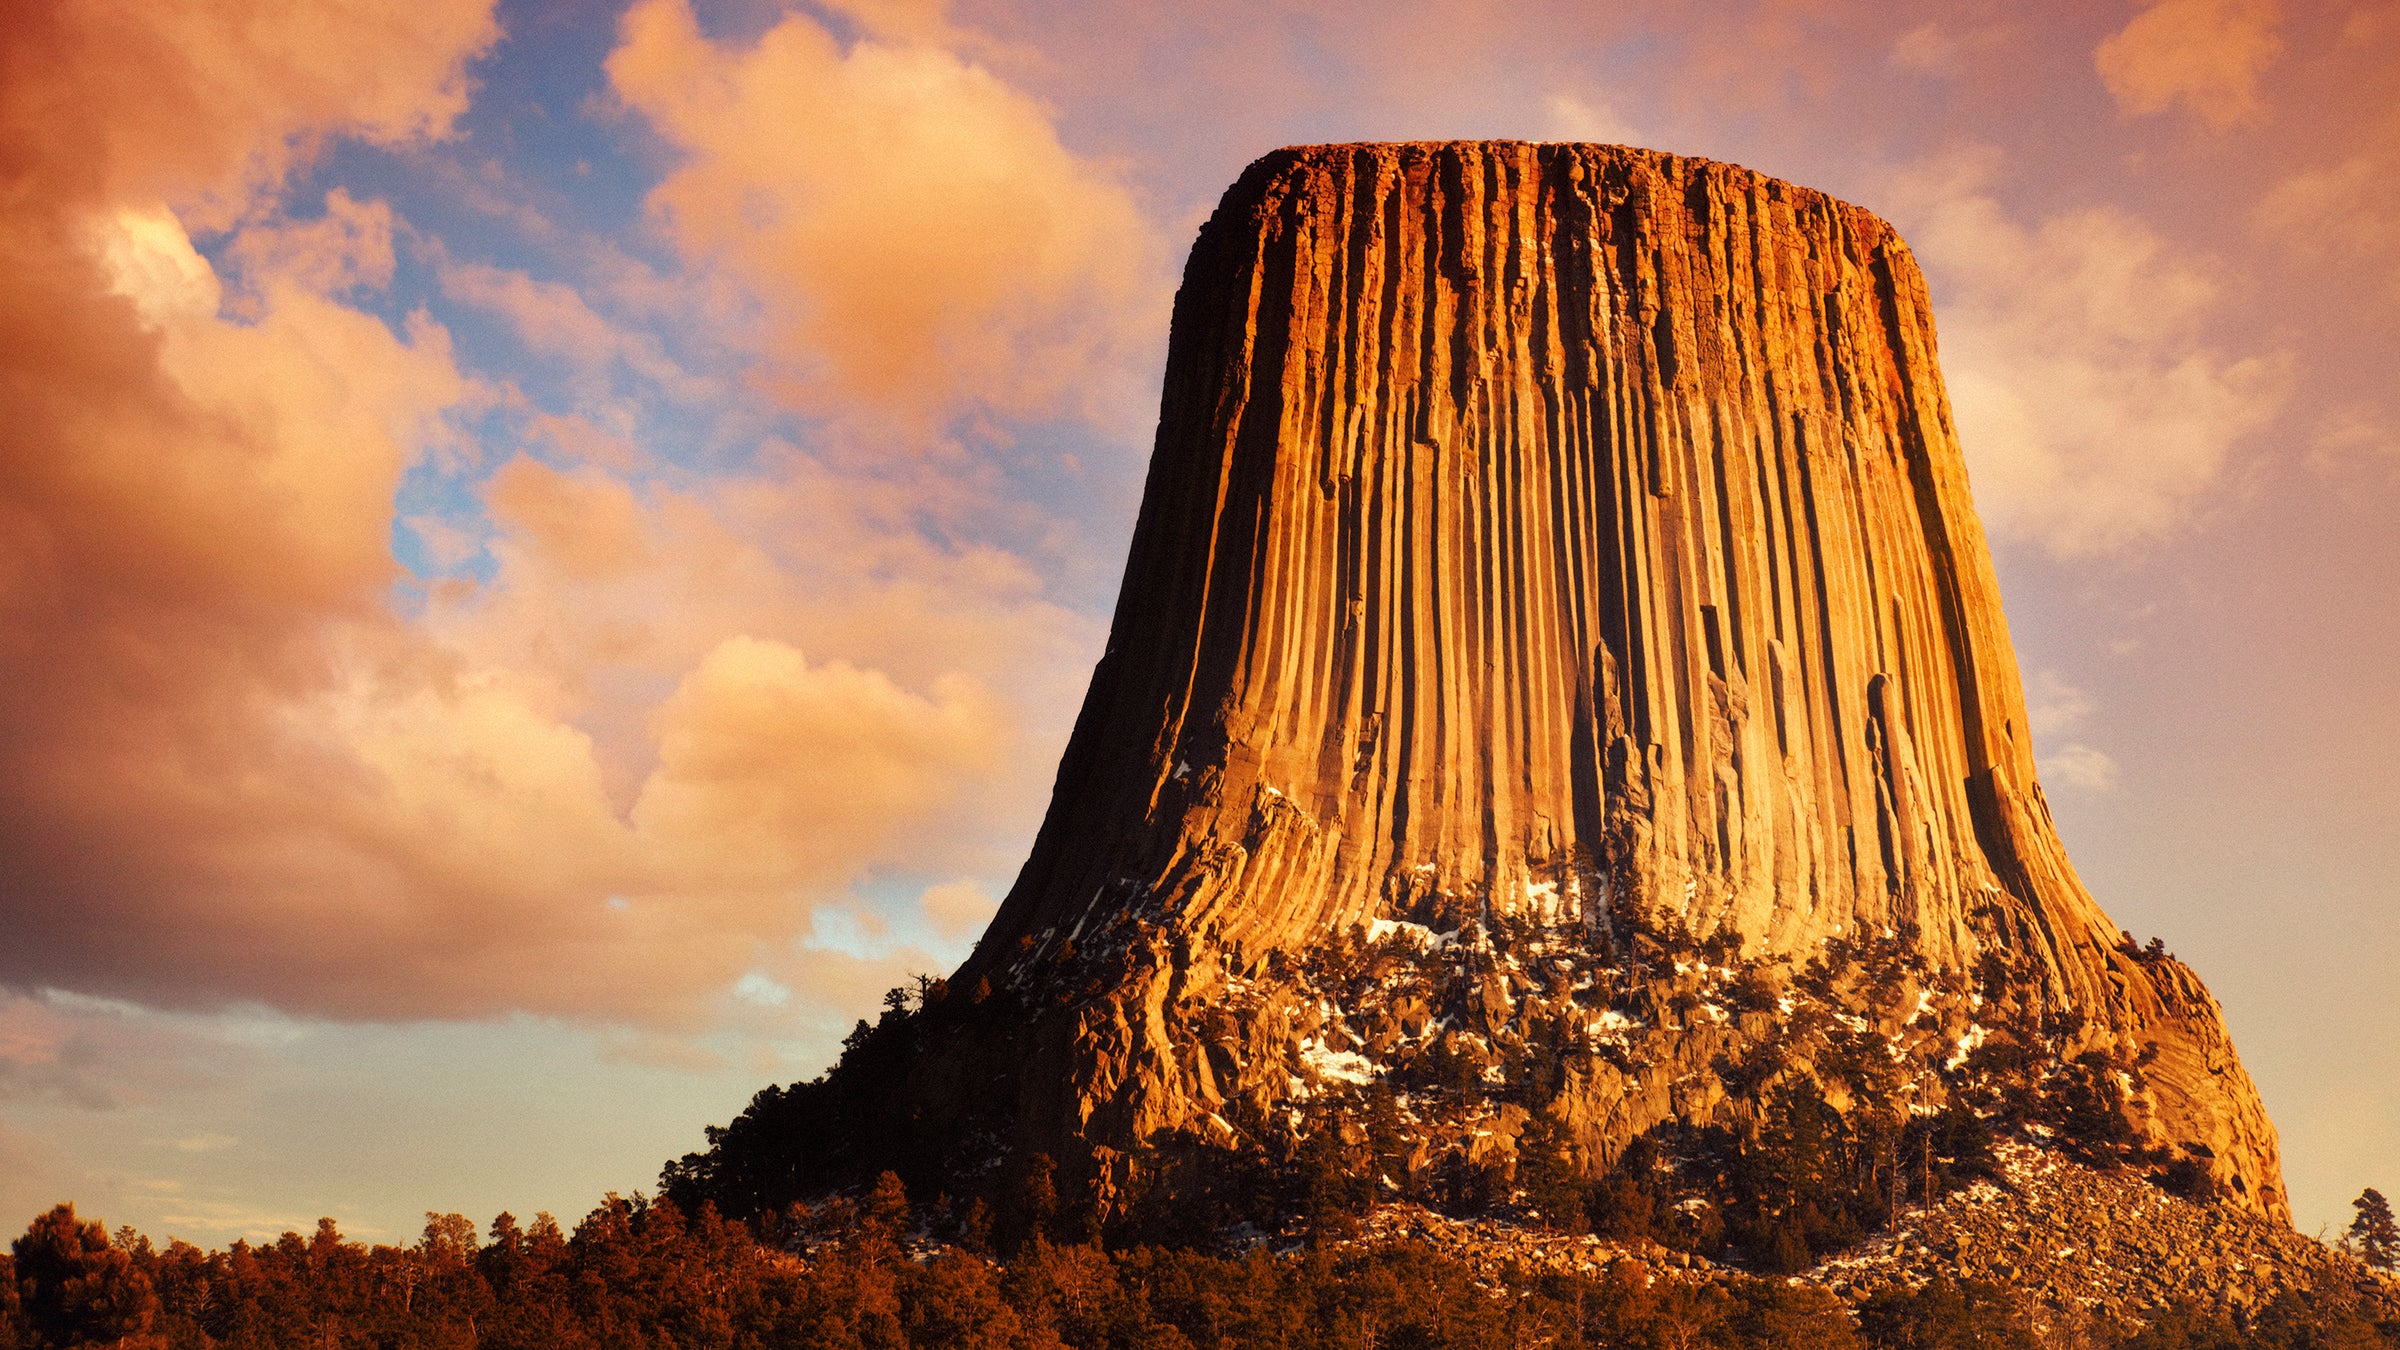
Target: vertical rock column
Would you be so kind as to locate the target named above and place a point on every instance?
(1570, 531)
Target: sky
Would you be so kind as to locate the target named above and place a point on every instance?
(547, 552)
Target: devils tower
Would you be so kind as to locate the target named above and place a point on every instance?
(1559, 685)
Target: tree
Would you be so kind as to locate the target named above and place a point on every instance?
(449, 1239)
(2372, 1233)
(1332, 1188)
(9, 1339)
(1547, 1173)
(2088, 1109)
(77, 1288)
(1945, 1315)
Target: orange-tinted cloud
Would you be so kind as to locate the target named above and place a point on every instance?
(204, 104)
(2094, 410)
(348, 248)
(1576, 119)
(921, 239)
(555, 320)
(775, 774)
(959, 909)
(605, 786)
(196, 508)
(2206, 55)
(2345, 212)
(230, 773)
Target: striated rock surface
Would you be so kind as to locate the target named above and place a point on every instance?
(1556, 627)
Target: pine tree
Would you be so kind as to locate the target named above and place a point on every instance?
(2372, 1234)
(75, 1288)
(1547, 1173)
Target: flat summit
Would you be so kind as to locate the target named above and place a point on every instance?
(1559, 690)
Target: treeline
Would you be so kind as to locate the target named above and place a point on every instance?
(842, 1275)
(846, 1274)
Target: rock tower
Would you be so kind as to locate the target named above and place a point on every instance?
(1557, 559)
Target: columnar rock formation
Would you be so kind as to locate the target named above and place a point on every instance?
(1571, 535)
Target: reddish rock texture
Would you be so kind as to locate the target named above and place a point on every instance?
(1572, 532)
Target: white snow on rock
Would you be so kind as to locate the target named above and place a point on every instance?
(1342, 1066)
(1417, 933)
(1967, 1041)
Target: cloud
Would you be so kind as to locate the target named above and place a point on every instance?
(38, 1060)
(2206, 55)
(2342, 207)
(101, 1055)
(2345, 213)
(233, 773)
(758, 989)
(2094, 412)
(2353, 438)
(2333, 226)
(176, 1204)
(1946, 50)
(1572, 119)
(958, 909)
(554, 319)
(774, 773)
(205, 104)
(348, 248)
(2079, 766)
(920, 239)
(2054, 707)
(2055, 710)
(205, 1143)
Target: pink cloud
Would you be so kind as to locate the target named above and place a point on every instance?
(230, 772)
(204, 104)
(2205, 55)
(2095, 411)
(554, 319)
(922, 241)
(774, 772)
(2345, 212)
(348, 248)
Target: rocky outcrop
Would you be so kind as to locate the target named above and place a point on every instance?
(2088, 1253)
(1557, 652)
(2078, 1243)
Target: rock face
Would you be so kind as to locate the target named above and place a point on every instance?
(1569, 542)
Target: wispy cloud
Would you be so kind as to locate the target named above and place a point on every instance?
(2095, 410)
(2080, 766)
(2057, 714)
(923, 242)
(2346, 211)
(1571, 117)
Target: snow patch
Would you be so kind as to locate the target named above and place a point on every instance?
(1418, 934)
(1967, 1042)
(1341, 1066)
